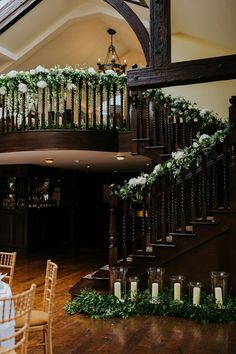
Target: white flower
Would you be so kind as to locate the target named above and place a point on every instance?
(22, 87)
(132, 182)
(12, 74)
(71, 86)
(169, 164)
(157, 168)
(178, 155)
(141, 180)
(91, 70)
(204, 111)
(3, 90)
(195, 145)
(42, 84)
(111, 72)
(32, 72)
(203, 137)
(40, 69)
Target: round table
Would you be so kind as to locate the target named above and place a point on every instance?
(6, 329)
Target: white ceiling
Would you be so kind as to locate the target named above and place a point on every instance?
(75, 32)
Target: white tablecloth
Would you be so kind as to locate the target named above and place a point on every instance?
(6, 329)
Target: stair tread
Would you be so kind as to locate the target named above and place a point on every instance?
(203, 223)
(154, 147)
(167, 245)
(141, 139)
(187, 234)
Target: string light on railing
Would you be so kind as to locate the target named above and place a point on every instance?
(112, 61)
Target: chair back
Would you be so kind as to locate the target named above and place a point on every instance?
(11, 309)
(7, 264)
(49, 287)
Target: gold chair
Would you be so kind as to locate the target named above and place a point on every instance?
(13, 308)
(7, 264)
(41, 320)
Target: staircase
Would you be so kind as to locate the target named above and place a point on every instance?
(185, 224)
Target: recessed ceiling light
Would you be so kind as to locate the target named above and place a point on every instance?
(49, 160)
(76, 161)
(88, 166)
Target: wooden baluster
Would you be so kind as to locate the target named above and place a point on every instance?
(214, 181)
(173, 211)
(80, 95)
(58, 107)
(50, 112)
(127, 115)
(17, 116)
(225, 177)
(11, 119)
(140, 118)
(23, 122)
(163, 209)
(168, 131)
(114, 124)
(203, 190)
(42, 119)
(122, 125)
(134, 122)
(165, 127)
(112, 228)
(184, 132)
(133, 229)
(35, 122)
(160, 124)
(153, 214)
(183, 204)
(64, 114)
(101, 107)
(147, 119)
(87, 106)
(108, 108)
(148, 219)
(3, 113)
(124, 230)
(94, 108)
(177, 125)
(143, 228)
(72, 113)
(193, 194)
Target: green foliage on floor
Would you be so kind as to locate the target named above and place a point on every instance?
(99, 306)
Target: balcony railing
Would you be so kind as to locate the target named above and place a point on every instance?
(63, 99)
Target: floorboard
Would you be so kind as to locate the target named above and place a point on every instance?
(137, 335)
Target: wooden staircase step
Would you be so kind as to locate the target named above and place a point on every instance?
(184, 234)
(164, 245)
(155, 147)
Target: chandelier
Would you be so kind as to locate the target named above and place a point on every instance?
(112, 61)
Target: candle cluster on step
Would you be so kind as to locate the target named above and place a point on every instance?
(177, 285)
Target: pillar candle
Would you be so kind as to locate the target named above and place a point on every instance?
(155, 290)
(218, 296)
(176, 291)
(117, 290)
(196, 295)
(133, 289)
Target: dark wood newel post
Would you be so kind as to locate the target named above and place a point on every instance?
(232, 140)
(134, 122)
(112, 228)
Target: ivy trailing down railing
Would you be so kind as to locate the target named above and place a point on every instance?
(63, 98)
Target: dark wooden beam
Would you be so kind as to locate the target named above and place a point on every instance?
(184, 73)
(134, 22)
(138, 2)
(13, 11)
(160, 29)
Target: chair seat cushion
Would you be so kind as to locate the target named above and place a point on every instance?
(38, 318)
(3, 350)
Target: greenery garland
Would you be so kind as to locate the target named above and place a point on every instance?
(99, 306)
(182, 159)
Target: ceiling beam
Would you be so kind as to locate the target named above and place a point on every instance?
(183, 73)
(14, 11)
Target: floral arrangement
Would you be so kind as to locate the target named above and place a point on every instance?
(182, 159)
(40, 78)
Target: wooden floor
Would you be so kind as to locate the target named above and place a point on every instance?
(140, 335)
